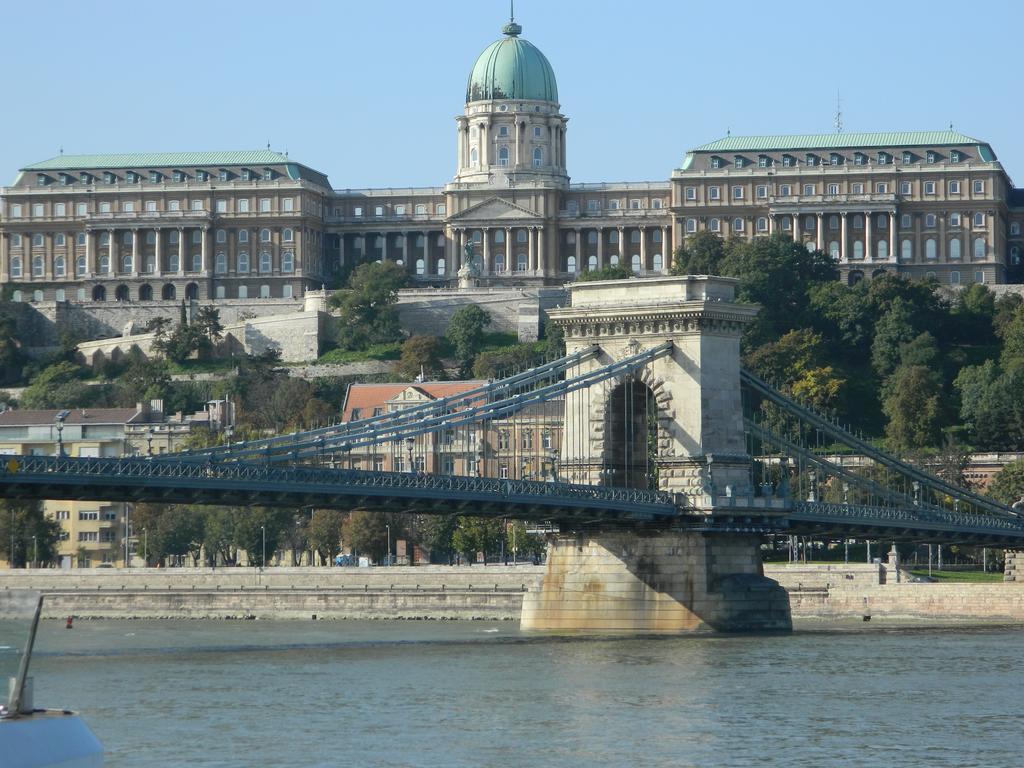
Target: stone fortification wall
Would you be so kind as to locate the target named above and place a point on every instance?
(519, 311)
(935, 602)
(798, 576)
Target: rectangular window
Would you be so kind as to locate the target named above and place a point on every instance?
(787, 161)
(440, 209)
(691, 193)
(737, 193)
(929, 187)
(613, 205)
(357, 211)
(15, 211)
(399, 210)
(128, 206)
(833, 189)
(762, 191)
(714, 193)
(80, 209)
(906, 221)
(691, 225)
(979, 187)
(222, 206)
(288, 204)
(907, 158)
(151, 206)
(881, 188)
(979, 219)
(809, 189)
(59, 209)
(905, 188)
(593, 205)
(104, 207)
(954, 219)
(264, 205)
(954, 187)
(37, 210)
(929, 220)
(243, 205)
(634, 205)
(954, 156)
(762, 161)
(716, 163)
(857, 188)
(378, 210)
(785, 190)
(197, 205)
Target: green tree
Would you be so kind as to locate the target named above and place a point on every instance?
(325, 533)
(366, 533)
(252, 524)
(1008, 485)
(554, 341)
(144, 379)
(172, 530)
(700, 254)
(525, 546)
(499, 362)
(208, 321)
(366, 311)
(421, 354)
(608, 272)
(914, 408)
(11, 358)
(893, 330)
(20, 521)
(61, 385)
(465, 334)
(219, 535)
(992, 405)
(794, 364)
(477, 534)
(437, 535)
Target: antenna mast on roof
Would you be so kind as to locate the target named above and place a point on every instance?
(511, 11)
(839, 113)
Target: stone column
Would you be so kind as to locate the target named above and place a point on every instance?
(892, 235)
(869, 253)
(796, 227)
(460, 244)
(487, 251)
(600, 247)
(666, 251)
(821, 231)
(405, 253)
(579, 249)
(509, 265)
(842, 236)
(941, 250)
(158, 268)
(135, 252)
(643, 250)
(540, 251)
(622, 246)
(112, 252)
(531, 257)
(918, 242)
(771, 224)
(485, 146)
(341, 249)
(204, 254)
(5, 257)
(90, 253)
(181, 252)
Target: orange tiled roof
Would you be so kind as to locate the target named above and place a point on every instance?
(366, 397)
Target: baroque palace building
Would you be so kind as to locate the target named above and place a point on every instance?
(229, 225)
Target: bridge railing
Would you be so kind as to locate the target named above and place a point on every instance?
(912, 517)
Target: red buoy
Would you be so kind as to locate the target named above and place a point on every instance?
(68, 625)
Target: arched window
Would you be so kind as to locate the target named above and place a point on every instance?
(954, 248)
(266, 262)
(570, 265)
(145, 292)
(441, 267)
(954, 278)
(503, 156)
(979, 248)
(126, 263)
(592, 263)
(421, 267)
(37, 241)
(105, 238)
(287, 291)
(1015, 255)
(614, 260)
(220, 264)
(592, 237)
(149, 263)
(657, 263)
(634, 236)
(474, 156)
(635, 264)
(499, 262)
(833, 222)
(37, 266)
(80, 265)
(121, 293)
(243, 292)
(264, 235)
(243, 262)
(167, 293)
(809, 223)
(833, 249)
(58, 267)
(221, 236)
(16, 296)
(288, 261)
(929, 248)
(906, 250)
(762, 224)
(288, 235)
(858, 221)
(737, 224)
(538, 157)
(99, 293)
(264, 291)
(243, 235)
(880, 221)
(197, 262)
(521, 262)
(191, 292)
(80, 238)
(104, 265)
(858, 249)
(882, 249)
(173, 263)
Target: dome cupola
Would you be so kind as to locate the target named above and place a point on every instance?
(512, 68)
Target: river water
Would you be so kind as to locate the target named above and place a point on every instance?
(223, 693)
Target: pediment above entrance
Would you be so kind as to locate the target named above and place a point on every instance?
(495, 209)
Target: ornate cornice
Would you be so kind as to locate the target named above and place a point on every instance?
(654, 321)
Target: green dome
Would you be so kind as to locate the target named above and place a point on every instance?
(511, 68)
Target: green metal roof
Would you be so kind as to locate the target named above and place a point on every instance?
(158, 160)
(836, 141)
(512, 68)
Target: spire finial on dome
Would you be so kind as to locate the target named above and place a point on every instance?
(511, 29)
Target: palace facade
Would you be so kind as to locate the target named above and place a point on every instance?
(227, 225)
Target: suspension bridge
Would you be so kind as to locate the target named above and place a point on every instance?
(647, 433)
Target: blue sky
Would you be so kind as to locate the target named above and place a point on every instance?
(367, 92)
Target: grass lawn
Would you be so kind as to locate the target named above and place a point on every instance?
(376, 352)
(950, 576)
(220, 365)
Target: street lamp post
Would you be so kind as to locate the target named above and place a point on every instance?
(35, 552)
(409, 443)
(149, 441)
(388, 527)
(263, 560)
(60, 431)
(145, 548)
(127, 530)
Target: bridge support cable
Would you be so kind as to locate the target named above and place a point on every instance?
(491, 390)
(412, 425)
(809, 418)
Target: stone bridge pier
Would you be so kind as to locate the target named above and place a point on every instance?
(676, 423)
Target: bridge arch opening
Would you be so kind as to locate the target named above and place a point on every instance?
(631, 436)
